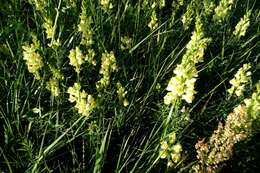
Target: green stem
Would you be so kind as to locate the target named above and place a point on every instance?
(53, 144)
(55, 22)
(168, 120)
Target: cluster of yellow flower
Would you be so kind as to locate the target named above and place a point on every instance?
(33, 59)
(106, 5)
(187, 17)
(153, 24)
(39, 4)
(90, 57)
(176, 5)
(53, 83)
(84, 103)
(53, 86)
(126, 43)
(76, 58)
(182, 85)
(222, 10)
(48, 26)
(253, 103)
(70, 4)
(161, 4)
(171, 150)
(85, 26)
(209, 7)
(108, 65)
(242, 25)
(241, 79)
(121, 94)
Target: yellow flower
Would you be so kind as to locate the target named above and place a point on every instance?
(153, 23)
(48, 26)
(53, 86)
(85, 26)
(74, 92)
(170, 98)
(126, 42)
(76, 58)
(90, 57)
(33, 60)
(163, 154)
(164, 145)
(241, 79)
(177, 148)
(108, 65)
(84, 103)
(242, 25)
(169, 163)
(106, 4)
(181, 86)
(176, 157)
(172, 137)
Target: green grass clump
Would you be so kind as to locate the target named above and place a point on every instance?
(129, 86)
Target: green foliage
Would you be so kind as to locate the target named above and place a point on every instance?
(127, 86)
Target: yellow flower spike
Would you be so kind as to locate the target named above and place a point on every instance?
(177, 148)
(126, 43)
(153, 23)
(91, 101)
(39, 4)
(176, 86)
(163, 154)
(181, 86)
(169, 163)
(240, 80)
(187, 17)
(242, 25)
(108, 65)
(170, 98)
(189, 96)
(125, 103)
(48, 26)
(162, 3)
(76, 58)
(164, 145)
(33, 59)
(83, 95)
(121, 94)
(172, 137)
(90, 57)
(53, 86)
(176, 157)
(106, 5)
(85, 26)
(81, 106)
(84, 103)
(56, 73)
(74, 92)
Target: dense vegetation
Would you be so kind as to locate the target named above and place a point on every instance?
(129, 86)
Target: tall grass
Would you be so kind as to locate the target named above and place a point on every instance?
(123, 55)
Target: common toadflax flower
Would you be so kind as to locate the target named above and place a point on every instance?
(33, 59)
(181, 86)
(242, 25)
(108, 65)
(85, 103)
(241, 79)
